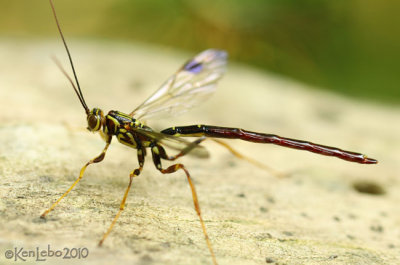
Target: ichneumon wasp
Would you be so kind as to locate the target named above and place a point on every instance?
(190, 85)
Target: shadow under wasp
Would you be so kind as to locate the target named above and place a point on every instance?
(191, 84)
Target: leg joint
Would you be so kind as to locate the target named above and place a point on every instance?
(135, 173)
(99, 158)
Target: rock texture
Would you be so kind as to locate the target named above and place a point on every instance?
(327, 211)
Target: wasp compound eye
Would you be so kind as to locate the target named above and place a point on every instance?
(94, 122)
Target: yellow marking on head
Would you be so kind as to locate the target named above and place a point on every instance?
(98, 125)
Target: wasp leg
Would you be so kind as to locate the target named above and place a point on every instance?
(158, 152)
(134, 173)
(270, 170)
(97, 159)
(184, 151)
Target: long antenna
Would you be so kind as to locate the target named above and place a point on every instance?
(70, 80)
(79, 93)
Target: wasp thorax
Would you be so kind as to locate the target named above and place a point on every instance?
(95, 119)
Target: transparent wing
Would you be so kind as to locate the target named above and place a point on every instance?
(174, 142)
(193, 83)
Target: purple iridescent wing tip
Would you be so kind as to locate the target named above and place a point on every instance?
(193, 66)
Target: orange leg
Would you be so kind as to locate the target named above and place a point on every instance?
(97, 159)
(158, 152)
(134, 173)
(183, 152)
(233, 152)
(250, 160)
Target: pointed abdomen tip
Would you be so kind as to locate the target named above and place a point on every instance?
(368, 160)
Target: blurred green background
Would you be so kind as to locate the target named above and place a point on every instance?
(351, 47)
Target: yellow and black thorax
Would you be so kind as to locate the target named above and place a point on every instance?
(123, 127)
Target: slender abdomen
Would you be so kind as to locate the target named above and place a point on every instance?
(236, 133)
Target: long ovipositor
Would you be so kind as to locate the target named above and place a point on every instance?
(236, 133)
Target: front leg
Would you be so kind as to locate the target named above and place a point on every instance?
(97, 159)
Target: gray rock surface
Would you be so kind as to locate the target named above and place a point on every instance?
(314, 216)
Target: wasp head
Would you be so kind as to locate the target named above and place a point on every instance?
(95, 119)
